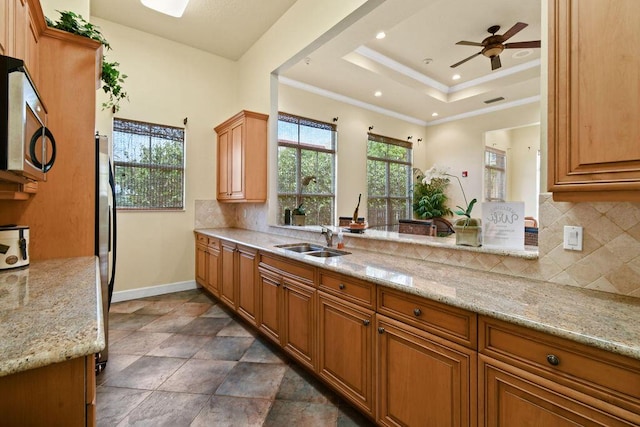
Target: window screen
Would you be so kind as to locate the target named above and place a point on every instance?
(149, 165)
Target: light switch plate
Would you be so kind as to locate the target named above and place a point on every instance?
(572, 238)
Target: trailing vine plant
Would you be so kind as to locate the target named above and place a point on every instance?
(112, 78)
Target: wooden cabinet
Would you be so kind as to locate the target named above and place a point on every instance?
(287, 299)
(242, 158)
(594, 82)
(6, 29)
(525, 373)
(345, 349)
(227, 274)
(208, 263)
(298, 320)
(62, 394)
(238, 279)
(423, 380)
(247, 283)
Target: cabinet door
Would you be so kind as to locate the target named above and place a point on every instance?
(227, 275)
(31, 48)
(593, 118)
(423, 380)
(201, 265)
(236, 162)
(345, 349)
(270, 304)
(224, 190)
(298, 321)
(247, 288)
(213, 271)
(512, 397)
(6, 29)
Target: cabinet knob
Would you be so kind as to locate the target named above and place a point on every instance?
(381, 330)
(417, 312)
(553, 359)
(366, 322)
(341, 286)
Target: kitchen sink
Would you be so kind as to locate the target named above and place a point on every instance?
(313, 250)
(301, 247)
(327, 253)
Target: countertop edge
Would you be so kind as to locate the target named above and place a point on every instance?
(586, 338)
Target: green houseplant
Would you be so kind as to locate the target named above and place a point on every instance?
(430, 199)
(112, 78)
(468, 230)
(298, 216)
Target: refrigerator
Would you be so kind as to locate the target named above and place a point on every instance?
(105, 235)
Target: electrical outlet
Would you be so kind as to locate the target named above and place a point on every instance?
(572, 238)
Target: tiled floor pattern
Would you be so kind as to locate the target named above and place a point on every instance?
(182, 360)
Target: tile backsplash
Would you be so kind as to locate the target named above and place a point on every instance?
(609, 261)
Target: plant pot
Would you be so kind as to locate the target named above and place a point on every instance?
(298, 220)
(468, 235)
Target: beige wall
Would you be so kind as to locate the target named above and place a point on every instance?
(167, 82)
(522, 165)
(459, 145)
(50, 8)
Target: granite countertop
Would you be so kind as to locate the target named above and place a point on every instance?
(599, 319)
(50, 312)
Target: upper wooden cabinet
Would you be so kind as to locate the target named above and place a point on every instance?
(242, 158)
(594, 102)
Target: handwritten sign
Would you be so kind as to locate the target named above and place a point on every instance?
(503, 225)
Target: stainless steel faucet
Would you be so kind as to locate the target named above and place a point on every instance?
(328, 234)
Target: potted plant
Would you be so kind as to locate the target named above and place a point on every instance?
(468, 230)
(298, 216)
(111, 77)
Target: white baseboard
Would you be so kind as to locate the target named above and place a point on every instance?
(153, 291)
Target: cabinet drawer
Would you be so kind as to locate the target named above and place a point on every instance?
(607, 376)
(354, 290)
(291, 268)
(201, 238)
(449, 322)
(213, 243)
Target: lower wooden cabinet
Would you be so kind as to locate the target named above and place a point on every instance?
(238, 279)
(247, 274)
(62, 394)
(525, 373)
(423, 380)
(298, 321)
(269, 304)
(208, 263)
(513, 397)
(345, 349)
(227, 274)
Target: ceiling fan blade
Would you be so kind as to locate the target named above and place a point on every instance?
(519, 26)
(495, 62)
(522, 45)
(466, 43)
(465, 60)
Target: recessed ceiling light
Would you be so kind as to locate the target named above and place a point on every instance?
(377, 93)
(455, 77)
(173, 8)
(522, 53)
(381, 35)
(434, 114)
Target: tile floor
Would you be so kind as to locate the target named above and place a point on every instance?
(182, 360)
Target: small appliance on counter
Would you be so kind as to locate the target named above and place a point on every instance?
(14, 246)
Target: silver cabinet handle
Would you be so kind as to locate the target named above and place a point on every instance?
(341, 286)
(417, 312)
(381, 330)
(366, 322)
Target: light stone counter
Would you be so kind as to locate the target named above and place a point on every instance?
(599, 319)
(49, 312)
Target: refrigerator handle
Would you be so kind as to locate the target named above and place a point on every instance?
(113, 233)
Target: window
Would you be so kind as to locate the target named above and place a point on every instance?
(495, 175)
(388, 181)
(306, 168)
(149, 165)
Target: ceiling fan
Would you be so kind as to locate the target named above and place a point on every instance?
(493, 45)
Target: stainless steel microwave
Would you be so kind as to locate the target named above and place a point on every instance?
(27, 146)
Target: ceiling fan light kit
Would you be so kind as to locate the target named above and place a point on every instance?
(493, 45)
